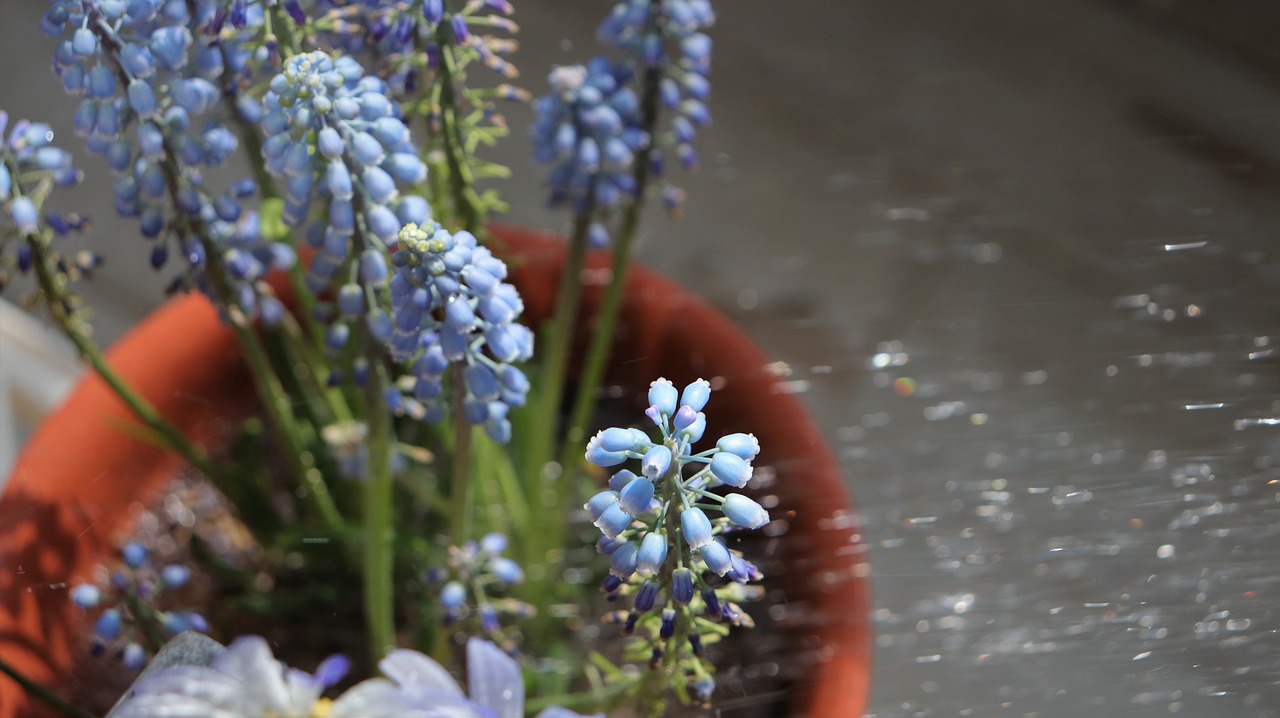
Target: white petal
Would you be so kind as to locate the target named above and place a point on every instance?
(410, 668)
(494, 679)
(249, 659)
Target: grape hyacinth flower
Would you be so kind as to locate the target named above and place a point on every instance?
(246, 681)
(589, 127)
(475, 572)
(668, 38)
(151, 95)
(130, 615)
(450, 305)
(30, 167)
(657, 533)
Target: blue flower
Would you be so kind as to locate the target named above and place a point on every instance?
(588, 128)
(647, 560)
(450, 305)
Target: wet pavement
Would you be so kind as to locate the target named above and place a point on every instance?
(1023, 262)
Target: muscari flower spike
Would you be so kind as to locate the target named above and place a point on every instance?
(450, 306)
(30, 167)
(152, 88)
(669, 38)
(470, 584)
(588, 128)
(129, 601)
(244, 680)
(655, 524)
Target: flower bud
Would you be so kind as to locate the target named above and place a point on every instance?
(744, 512)
(696, 527)
(635, 496)
(652, 554)
(696, 394)
(656, 462)
(731, 469)
(662, 394)
(717, 557)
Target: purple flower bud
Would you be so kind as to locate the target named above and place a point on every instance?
(458, 24)
(295, 11)
(605, 546)
(433, 11)
(493, 543)
(682, 586)
(654, 415)
(685, 416)
(635, 496)
(646, 596)
(331, 670)
(668, 624)
(623, 561)
(731, 469)
(696, 527)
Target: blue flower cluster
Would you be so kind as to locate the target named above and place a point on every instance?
(654, 524)
(331, 132)
(403, 32)
(129, 606)
(474, 571)
(151, 97)
(30, 166)
(589, 127)
(450, 305)
(644, 31)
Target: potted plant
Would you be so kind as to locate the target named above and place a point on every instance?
(397, 320)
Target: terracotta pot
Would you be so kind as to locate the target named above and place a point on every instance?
(83, 475)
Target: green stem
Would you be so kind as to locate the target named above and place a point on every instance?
(380, 533)
(467, 204)
(460, 489)
(275, 399)
(90, 352)
(606, 321)
(557, 338)
(51, 699)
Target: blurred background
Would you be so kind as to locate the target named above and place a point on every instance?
(1023, 260)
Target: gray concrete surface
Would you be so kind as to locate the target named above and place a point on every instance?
(1025, 256)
